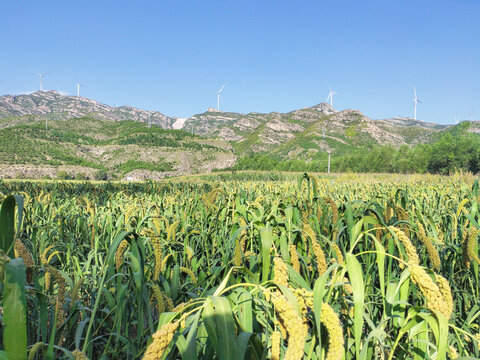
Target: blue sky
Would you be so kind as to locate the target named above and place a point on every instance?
(274, 55)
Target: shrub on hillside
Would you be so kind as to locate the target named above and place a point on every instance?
(101, 175)
(62, 175)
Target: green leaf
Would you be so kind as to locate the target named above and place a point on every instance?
(220, 327)
(188, 347)
(7, 225)
(355, 275)
(246, 310)
(14, 311)
(223, 284)
(242, 344)
(266, 237)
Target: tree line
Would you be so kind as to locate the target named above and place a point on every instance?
(452, 151)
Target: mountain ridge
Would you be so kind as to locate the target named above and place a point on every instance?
(220, 137)
(53, 104)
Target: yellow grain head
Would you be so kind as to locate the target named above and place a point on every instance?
(388, 214)
(296, 327)
(407, 244)
(159, 297)
(452, 352)
(128, 214)
(319, 257)
(157, 224)
(75, 291)
(237, 258)
(432, 252)
(21, 251)
(319, 212)
(307, 231)
(441, 237)
(429, 289)
(61, 292)
(164, 262)
(338, 253)
(304, 299)
(243, 234)
(157, 252)
(189, 252)
(294, 258)
(168, 302)
(446, 292)
(161, 340)
(280, 275)
(347, 287)
(122, 247)
(172, 230)
(469, 243)
(79, 355)
(454, 227)
(333, 208)
(43, 257)
(331, 322)
(189, 273)
(461, 206)
(275, 345)
(403, 215)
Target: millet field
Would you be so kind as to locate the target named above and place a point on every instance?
(241, 267)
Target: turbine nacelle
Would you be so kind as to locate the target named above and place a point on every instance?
(41, 78)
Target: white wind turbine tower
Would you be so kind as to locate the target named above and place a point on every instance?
(416, 101)
(218, 96)
(330, 95)
(41, 79)
(78, 88)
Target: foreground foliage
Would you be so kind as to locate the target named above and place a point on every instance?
(243, 269)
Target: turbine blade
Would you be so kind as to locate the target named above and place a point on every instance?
(219, 91)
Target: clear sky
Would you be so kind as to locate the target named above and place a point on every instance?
(172, 56)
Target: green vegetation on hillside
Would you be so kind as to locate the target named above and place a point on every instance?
(116, 147)
(456, 149)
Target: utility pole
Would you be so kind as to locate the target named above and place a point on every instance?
(328, 169)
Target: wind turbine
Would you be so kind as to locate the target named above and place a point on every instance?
(41, 78)
(416, 101)
(218, 96)
(78, 88)
(330, 95)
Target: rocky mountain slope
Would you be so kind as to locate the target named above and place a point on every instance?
(309, 131)
(53, 105)
(84, 135)
(121, 149)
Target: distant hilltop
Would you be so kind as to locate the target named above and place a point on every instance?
(54, 104)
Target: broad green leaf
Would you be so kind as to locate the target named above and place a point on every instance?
(14, 311)
(7, 225)
(355, 275)
(219, 322)
(266, 237)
